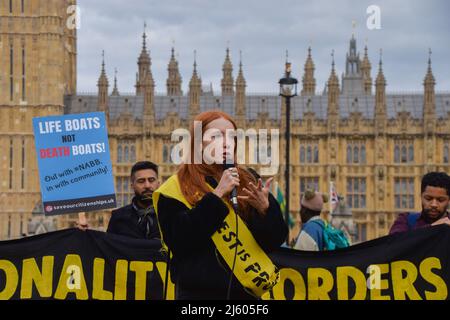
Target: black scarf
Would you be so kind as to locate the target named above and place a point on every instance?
(146, 217)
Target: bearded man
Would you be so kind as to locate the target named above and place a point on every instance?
(138, 219)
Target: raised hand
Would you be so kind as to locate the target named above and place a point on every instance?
(257, 195)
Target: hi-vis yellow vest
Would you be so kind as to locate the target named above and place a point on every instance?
(253, 268)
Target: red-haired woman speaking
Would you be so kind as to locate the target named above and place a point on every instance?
(200, 226)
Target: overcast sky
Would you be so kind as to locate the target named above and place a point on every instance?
(263, 30)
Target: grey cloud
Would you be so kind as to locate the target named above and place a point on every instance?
(263, 30)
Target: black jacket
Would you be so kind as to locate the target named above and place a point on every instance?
(125, 221)
(195, 267)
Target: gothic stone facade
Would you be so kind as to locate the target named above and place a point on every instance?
(375, 146)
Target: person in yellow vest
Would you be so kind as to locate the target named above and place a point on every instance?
(216, 253)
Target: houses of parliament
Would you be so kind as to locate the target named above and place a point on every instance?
(374, 146)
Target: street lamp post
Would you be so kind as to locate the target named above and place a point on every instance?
(288, 89)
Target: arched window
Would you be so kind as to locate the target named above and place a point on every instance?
(133, 153)
(125, 188)
(23, 74)
(308, 154)
(11, 71)
(349, 154)
(446, 154)
(362, 201)
(256, 154)
(316, 154)
(411, 187)
(118, 185)
(404, 158)
(363, 154)
(411, 154)
(355, 154)
(165, 154)
(119, 154)
(125, 185)
(126, 155)
(396, 154)
(302, 154)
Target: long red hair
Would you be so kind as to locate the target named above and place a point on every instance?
(192, 176)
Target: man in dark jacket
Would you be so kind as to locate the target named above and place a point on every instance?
(435, 196)
(138, 219)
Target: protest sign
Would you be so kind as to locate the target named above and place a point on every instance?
(74, 163)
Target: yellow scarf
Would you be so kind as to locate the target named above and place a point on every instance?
(253, 269)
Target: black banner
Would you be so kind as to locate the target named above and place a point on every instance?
(72, 264)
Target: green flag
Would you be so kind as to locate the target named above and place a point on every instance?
(282, 202)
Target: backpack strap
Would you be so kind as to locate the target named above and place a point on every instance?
(412, 220)
(320, 242)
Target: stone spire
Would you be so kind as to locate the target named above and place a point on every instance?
(309, 82)
(352, 79)
(144, 64)
(195, 91)
(352, 63)
(333, 89)
(115, 91)
(240, 90)
(103, 85)
(240, 80)
(365, 70)
(333, 116)
(429, 93)
(174, 78)
(380, 90)
(227, 80)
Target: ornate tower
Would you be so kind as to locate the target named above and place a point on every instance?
(380, 93)
(174, 80)
(365, 70)
(148, 90)
(429, 115)
(352, 80)
(240, 95)
(309, 82)
(115, 91)
(38, 68)
(195, 91)
(227, 80)
(103, 86)
(380, 138)
(333, 92)
(333, 119)
(144, 64)
(429, 107)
